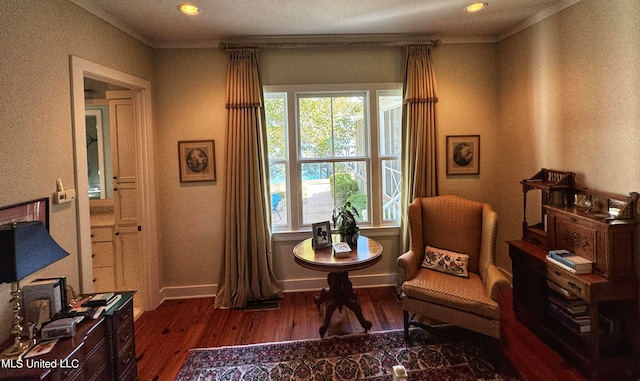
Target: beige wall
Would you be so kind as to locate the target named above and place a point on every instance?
(36, 148)
(570, 100)
(189, 104)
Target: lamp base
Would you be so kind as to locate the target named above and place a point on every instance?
(17, 350)
(21, 343)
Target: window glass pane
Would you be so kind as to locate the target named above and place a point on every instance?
(327, 184)
(277, 178)
(349, 130)
(315, 127)
(332, 126)
(275, 111)
(391, 187)
(390, 110)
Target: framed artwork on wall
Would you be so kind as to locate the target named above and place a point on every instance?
(463, 154)
(197, 160)
(36, 210)
(321, 234)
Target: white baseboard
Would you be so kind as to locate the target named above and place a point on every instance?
(188, 292)
(293, 285)
(358, 281)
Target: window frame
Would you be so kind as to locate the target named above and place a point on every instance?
(293, 161)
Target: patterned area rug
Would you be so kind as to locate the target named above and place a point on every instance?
(437, 354)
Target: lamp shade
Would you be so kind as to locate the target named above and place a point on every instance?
(25, 248)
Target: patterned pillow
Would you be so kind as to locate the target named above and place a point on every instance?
(446, 261)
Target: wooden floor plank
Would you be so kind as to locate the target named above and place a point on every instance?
(164, 336)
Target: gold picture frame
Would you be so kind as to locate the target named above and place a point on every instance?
(197, 160)
(463, 154)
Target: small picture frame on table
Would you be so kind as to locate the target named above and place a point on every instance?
(463, 154)
(321, 235)
(197, 160)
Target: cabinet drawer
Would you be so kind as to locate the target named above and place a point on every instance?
(125, 360)
(102, 254)
(568, 281)
(104, 374)
(94, 337)
(124, 315)
(70, 368)
(101, 234)
(97, 359)
(103, 279)
(124, 337)
(130, 374)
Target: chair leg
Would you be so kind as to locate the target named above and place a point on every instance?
(405, 314)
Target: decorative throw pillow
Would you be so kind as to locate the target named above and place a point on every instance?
(446, 261)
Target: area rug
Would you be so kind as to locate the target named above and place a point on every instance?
(437, 354)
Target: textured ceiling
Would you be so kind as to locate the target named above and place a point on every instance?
(158, 22)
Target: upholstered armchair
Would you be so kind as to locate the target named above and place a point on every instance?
(448, 290)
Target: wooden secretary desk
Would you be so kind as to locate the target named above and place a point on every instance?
(597, 226)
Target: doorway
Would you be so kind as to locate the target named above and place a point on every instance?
(140, 89)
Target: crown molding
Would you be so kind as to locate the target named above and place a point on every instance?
(545, 13)
(111, 19)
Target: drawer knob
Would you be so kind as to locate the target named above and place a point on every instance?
(574, 286)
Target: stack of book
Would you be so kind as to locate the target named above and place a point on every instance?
(94, 305)
(568, 309)
(573, 263)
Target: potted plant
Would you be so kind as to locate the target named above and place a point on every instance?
(344, 220)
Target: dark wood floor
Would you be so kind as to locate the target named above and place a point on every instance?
(164, 336)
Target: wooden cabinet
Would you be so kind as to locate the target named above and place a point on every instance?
(127, 207)
(607, 243)
(591, 318)
(123, 353)
(103, 259)
(611, 345)
(101, 350)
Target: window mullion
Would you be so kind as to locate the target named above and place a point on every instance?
(294, 164)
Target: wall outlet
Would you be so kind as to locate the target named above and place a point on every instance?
(65, 196)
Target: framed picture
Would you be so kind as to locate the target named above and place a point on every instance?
(36, 210)
(197, 160)
(463, 154)
(321, 235)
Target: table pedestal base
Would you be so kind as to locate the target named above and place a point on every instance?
(341, 294)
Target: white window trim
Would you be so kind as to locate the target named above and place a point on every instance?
(375, 171)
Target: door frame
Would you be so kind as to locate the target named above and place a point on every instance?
(141, 88)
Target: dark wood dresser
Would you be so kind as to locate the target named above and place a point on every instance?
(590, 318)
(102, 349)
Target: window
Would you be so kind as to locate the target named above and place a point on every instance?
(333, 144)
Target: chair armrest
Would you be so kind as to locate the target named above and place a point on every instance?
(409, 262)
(496, 283)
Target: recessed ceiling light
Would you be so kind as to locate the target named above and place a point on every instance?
(188, 9)
(476, 7)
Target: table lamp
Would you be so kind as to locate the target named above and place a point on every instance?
(25, 247)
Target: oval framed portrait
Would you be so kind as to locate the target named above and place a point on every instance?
(463, 154)
(197, 160)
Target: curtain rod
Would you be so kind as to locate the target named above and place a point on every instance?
(328, 44)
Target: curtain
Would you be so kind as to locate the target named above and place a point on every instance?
(419, 153)
(246, 272)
